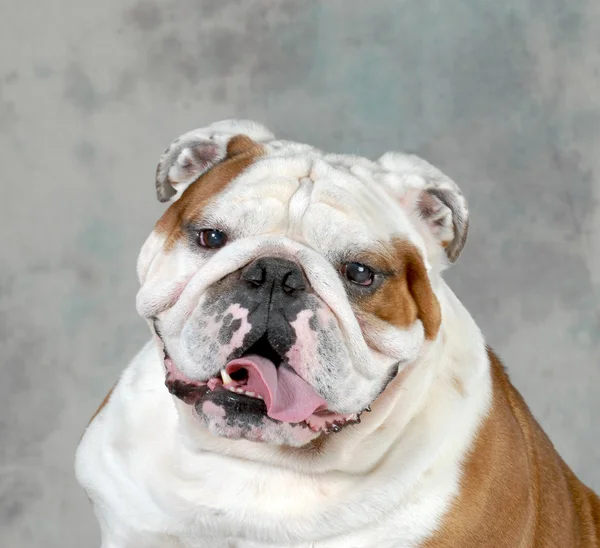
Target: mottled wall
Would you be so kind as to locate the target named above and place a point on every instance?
(504, 96)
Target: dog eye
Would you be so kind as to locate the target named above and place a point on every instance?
(212, 238)
(358, 273)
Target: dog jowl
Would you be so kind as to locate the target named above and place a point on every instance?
(260, 324)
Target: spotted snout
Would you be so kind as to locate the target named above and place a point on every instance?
(276, 291)
(254, 308)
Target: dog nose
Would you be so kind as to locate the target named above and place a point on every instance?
(279, 273)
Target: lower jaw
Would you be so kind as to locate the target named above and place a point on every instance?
(198, 396)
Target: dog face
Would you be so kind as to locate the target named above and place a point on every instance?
(286, 287)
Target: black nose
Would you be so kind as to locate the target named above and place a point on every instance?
(277, 273)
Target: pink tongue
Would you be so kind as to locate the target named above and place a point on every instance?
(287, 396)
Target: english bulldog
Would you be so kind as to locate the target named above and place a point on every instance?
(311, 379)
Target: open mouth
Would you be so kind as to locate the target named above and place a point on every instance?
(260, 382)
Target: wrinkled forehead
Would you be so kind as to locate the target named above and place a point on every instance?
(327, 201)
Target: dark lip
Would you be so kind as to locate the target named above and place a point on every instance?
(236, 403)
(196, 395)
(188, 393)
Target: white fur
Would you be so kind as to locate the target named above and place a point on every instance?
(155, 475)
(158, 478)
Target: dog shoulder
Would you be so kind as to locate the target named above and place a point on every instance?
(515, 489)
(121, 431)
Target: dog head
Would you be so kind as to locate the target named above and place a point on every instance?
(287, 287)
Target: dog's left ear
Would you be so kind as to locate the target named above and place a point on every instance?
(197, 151)
(425, 191)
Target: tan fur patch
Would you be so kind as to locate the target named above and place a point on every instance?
(516, 491)
(405, 296)
(241, 154)
(458, 386)
(103, 404)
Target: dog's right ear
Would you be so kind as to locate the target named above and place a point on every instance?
(197, 151)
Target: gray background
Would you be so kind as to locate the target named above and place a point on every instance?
(504, 96)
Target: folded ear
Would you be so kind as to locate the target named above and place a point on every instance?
(197, 151)
(425, 191)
